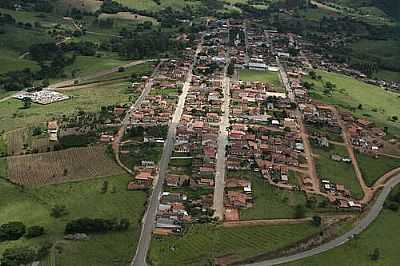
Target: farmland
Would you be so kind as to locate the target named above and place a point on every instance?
(60, 166)
(337, 172)
(262, 76)
(381, 234)
(104, 249)
(378, 105)
(373, 168)
(203, 243)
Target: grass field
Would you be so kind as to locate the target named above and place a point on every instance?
(138, 152)
(373, 168)
(10, 61)
(106, 249)
(378, 104)
(202, 243)
(270, 202)
(3, 168)
(89, 99)
(337, 172)
(152, 6)
(262, 76)
(19, 40)
(381, 234)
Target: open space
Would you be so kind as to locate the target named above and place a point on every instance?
(203, 243)
(103, 249)
(262, 76)
(60, 166)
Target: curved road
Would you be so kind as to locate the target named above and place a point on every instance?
(372, 214)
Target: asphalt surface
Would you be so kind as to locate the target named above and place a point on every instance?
(151, 212)
(371, 215)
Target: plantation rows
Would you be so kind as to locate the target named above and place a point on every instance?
(52, 167)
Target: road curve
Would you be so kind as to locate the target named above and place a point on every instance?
(371, 215)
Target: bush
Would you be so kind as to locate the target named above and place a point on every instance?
(34, 231)
(96, 225)
(58, 211)
(18, 256)
(12, 231)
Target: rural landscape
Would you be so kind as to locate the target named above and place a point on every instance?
(199, 132)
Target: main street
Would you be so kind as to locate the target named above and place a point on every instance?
(219, 188)
(371, 215)
(151, 212)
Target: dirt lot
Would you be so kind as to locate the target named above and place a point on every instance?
(59, 166)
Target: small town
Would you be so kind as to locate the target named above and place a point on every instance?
(199, 133)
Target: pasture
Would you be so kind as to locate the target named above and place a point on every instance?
(202, 243)
(82, 199)
(378, 105)
(61, 166)
(337, 172)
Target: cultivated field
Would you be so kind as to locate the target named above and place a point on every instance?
(203, 243)
(59, 166)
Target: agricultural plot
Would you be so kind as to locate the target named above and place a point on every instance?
(378, 105)
(203, 243)
(82, 199)
(337, 172)
(60, 166)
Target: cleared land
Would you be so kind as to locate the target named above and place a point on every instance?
(60, 166)
(373, 168)
(82, 199)
(132, 154)
(381, 234)
(378, 105)
(262, 76)
(337, 172)
(203, 243)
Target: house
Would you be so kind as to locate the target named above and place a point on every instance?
(52, 130)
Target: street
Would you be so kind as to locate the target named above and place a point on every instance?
(151, 212)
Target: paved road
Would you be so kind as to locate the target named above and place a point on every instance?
(219, 187)
(151, 212)
(371, 215)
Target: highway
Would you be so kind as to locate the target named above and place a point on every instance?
(151, 212)
(372, 214)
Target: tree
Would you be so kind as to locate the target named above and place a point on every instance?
(27, 102)
(34, 231)
(58, 211)
(18, 256)
(12, 231)
(299, 211)
(375, 255)
(316, 220)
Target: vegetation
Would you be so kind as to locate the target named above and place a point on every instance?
(103, 249)
(262, 76)
(378, 105)
(337, 172)
(374, 167)
(201, 244)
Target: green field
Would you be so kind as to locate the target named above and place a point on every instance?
(202, 243)
(270, 202)
(382, 234)
(139, 152)
(337, 172)
(153, 6)
(3, 168)
(82, 199)
(377, 104)
(11, 61)
(373, 168)
(90, 99)
(261, 76)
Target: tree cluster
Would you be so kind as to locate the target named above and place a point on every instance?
(96, 225)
